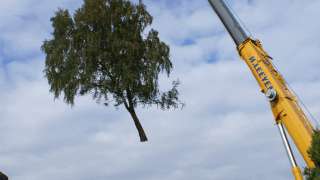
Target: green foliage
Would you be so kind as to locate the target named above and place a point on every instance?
(314, 152)
(106, 50)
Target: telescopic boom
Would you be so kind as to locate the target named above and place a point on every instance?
(285, 107)
(231, 23)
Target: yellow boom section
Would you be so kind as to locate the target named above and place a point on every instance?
(284, 104)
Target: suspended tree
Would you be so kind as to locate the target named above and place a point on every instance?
(314, 152)
(106, 49)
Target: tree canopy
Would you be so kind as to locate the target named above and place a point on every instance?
(314, 152)
(106, 49)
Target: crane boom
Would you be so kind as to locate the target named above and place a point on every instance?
(231, 23)
(284, 104)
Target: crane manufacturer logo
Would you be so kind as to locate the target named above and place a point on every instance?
(262, 75)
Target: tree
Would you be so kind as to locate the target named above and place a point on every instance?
(106, 50)
(314, 152)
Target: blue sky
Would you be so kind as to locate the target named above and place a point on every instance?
(225, 132)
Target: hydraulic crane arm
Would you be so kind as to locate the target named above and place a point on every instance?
(286, 110)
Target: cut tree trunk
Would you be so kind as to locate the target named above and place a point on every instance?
(142, 134)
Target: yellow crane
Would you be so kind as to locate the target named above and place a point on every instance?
(287, 112)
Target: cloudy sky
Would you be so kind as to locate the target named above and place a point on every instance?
(225, 132)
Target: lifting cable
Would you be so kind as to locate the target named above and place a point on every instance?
(305, 107)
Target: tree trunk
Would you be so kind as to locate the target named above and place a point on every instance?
(142, 134)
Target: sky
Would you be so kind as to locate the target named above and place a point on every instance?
(226, 130)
